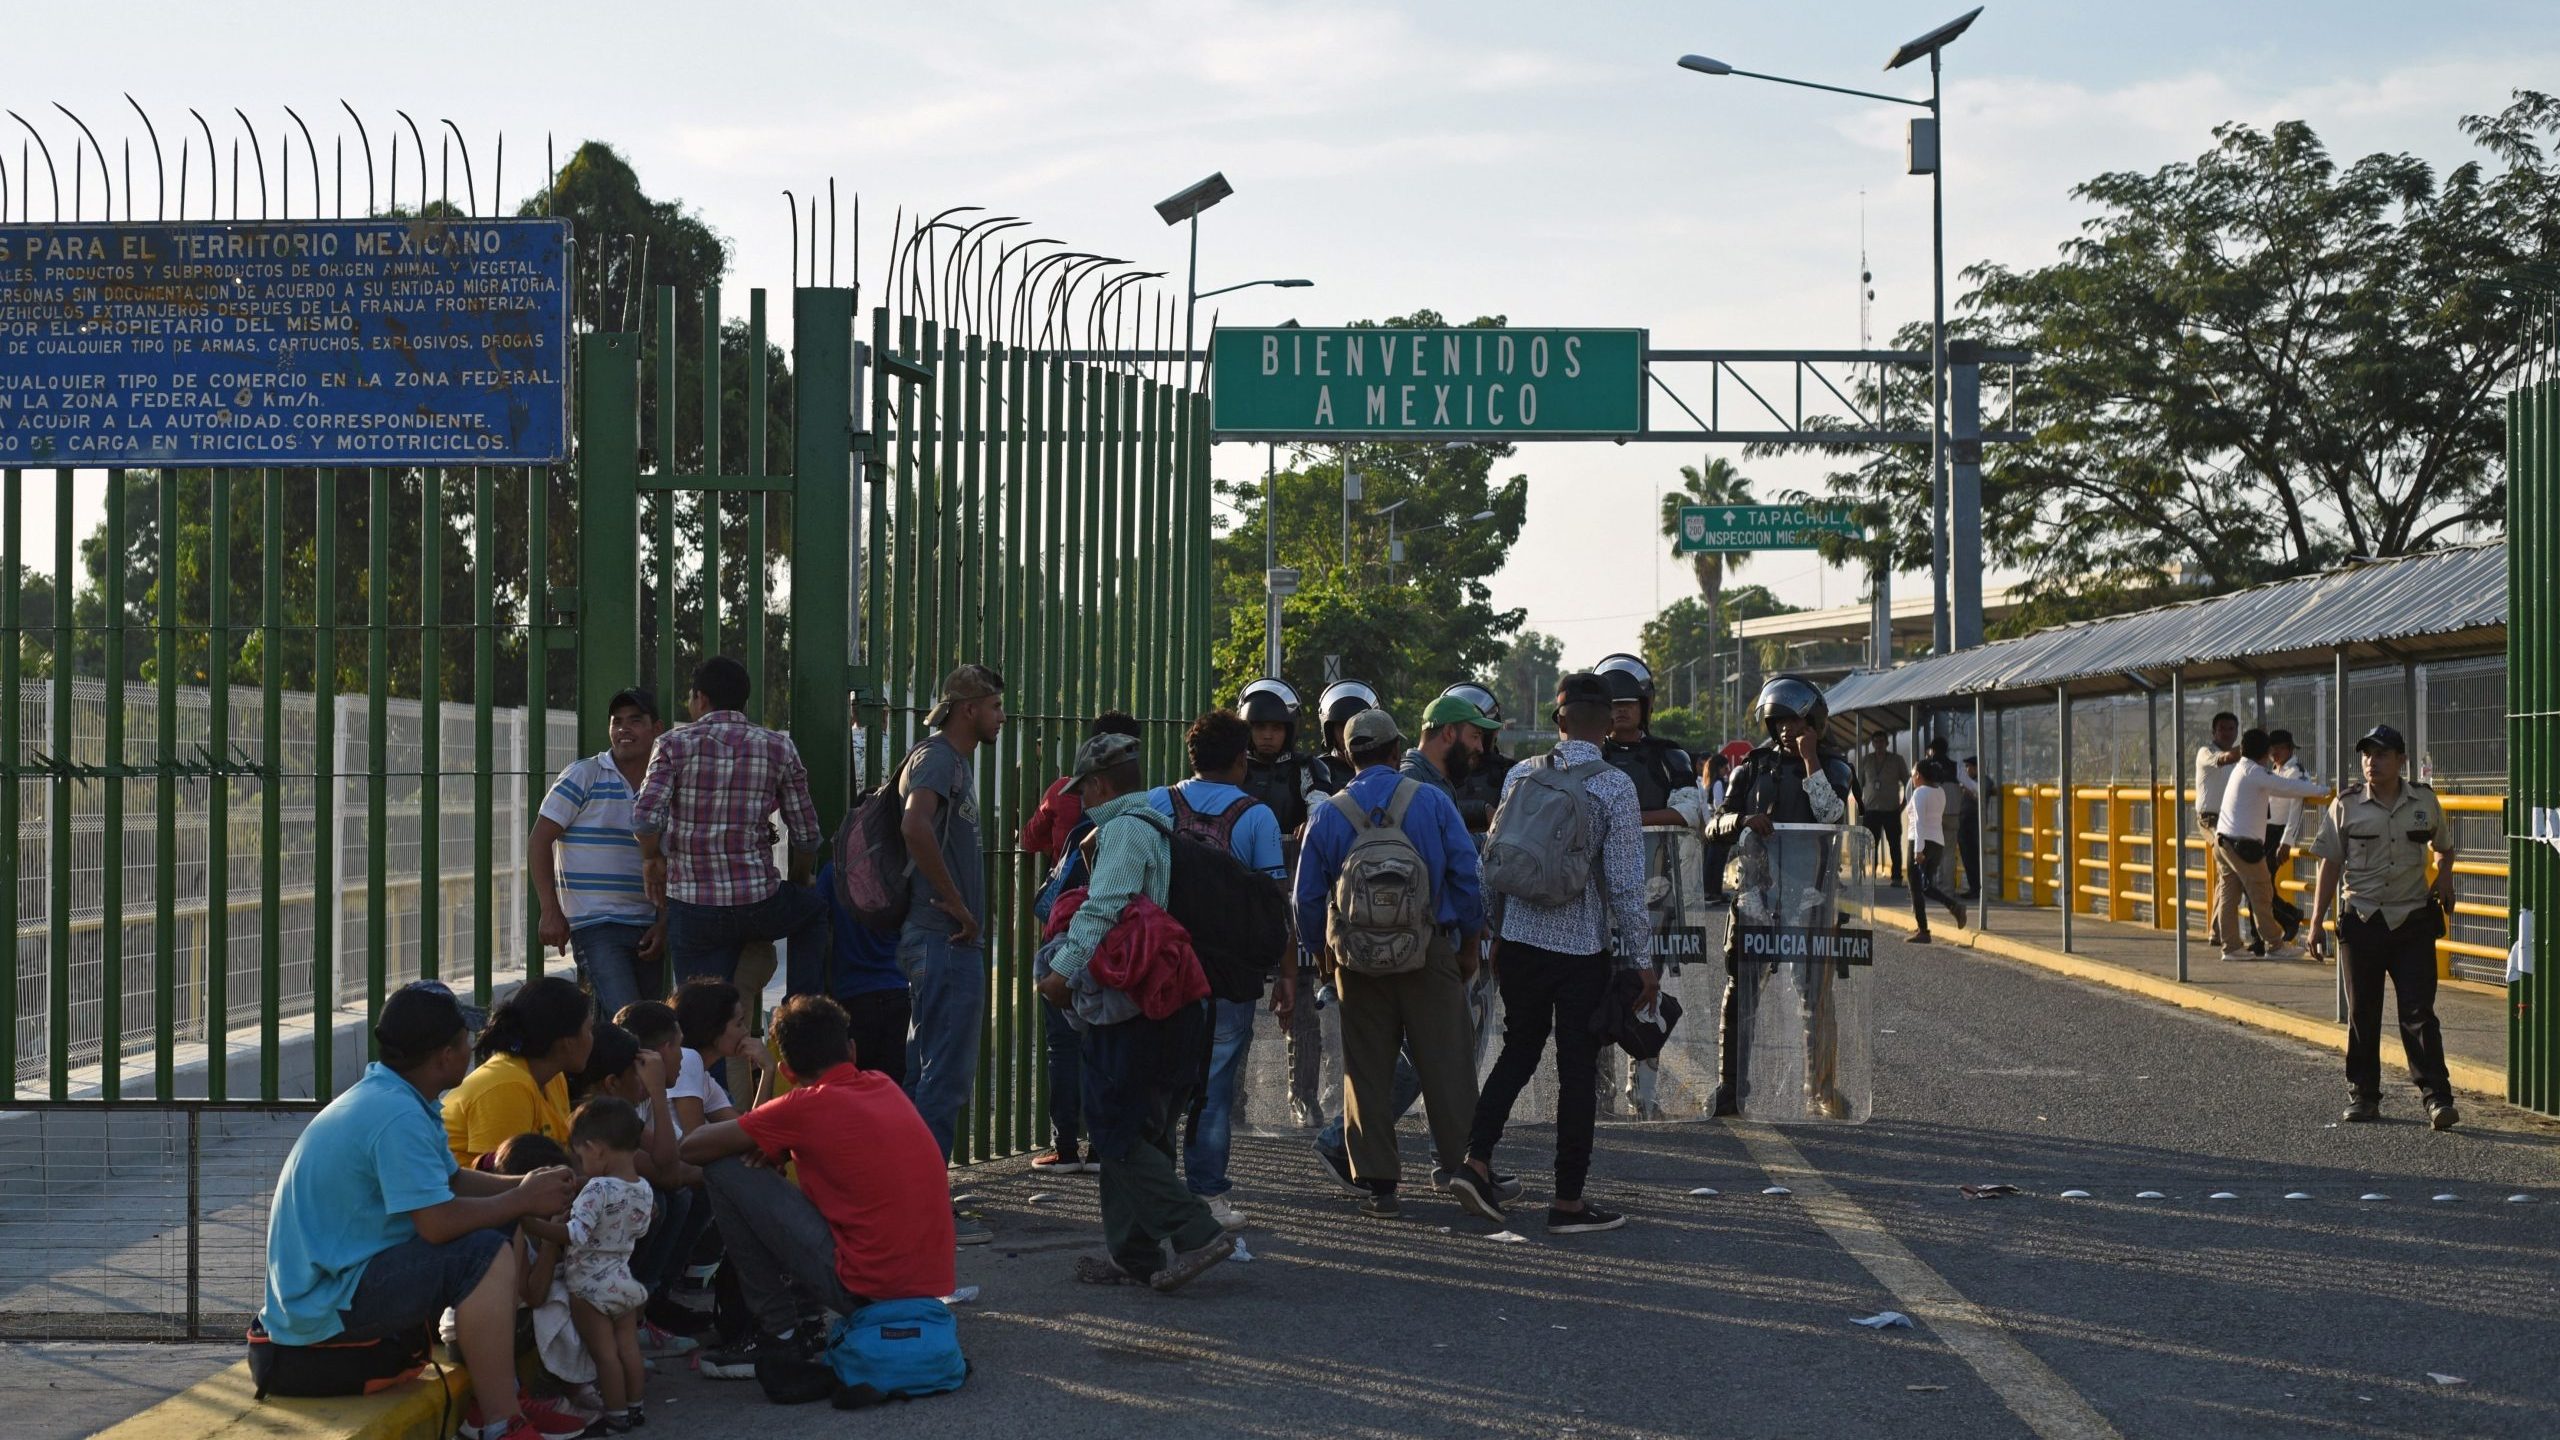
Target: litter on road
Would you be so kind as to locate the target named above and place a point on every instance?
(1885, 1320)
(2443, 1379)
(1986, 1192)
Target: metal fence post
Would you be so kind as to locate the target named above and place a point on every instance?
(826, 552)
(2065, 815)
(2347, 765)
(608, 590)
(2178, 818)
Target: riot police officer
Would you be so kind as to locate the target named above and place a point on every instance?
(1340, 701)
(2375, 837)
(1666, 778)
(1790, 777)
(1480, 790)
(1281, 776)
(1275, 772)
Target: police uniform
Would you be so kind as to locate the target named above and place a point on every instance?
(1656, 765)
(1771, 781)
(2388, 925)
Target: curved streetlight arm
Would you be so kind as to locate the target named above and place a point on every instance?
(1705, 66)
(1249, 284)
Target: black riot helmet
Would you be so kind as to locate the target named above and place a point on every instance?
(1478, 696)
(1627, 677)
(1790, 697)
(1341, 700)
(1268, 702)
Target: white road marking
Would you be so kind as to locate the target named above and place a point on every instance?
(2029, 1387)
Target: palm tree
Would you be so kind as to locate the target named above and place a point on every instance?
(1718, 483)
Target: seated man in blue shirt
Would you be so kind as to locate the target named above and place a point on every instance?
(1213, 808)
(374, 1230)
(1396, 987)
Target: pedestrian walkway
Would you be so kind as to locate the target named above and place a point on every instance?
(2296, 997)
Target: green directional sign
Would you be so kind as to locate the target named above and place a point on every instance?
(1377, 383)
(1759, 527)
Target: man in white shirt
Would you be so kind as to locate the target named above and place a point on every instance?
(1924, 828)
(2285, 830)
(2241, 844)
(2213, 776)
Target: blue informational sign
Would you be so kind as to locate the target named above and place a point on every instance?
(304, 343)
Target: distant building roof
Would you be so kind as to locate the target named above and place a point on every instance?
(2437, 602)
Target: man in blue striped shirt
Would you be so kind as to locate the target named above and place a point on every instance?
(592, 898)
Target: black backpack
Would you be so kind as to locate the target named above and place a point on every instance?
(1238, 921)
(334, 1367)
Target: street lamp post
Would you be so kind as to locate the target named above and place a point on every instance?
(1179, 209)
(1956, 607)
(1395, 547)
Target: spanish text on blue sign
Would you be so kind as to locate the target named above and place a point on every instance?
(314, 342)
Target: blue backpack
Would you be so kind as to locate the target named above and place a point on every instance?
(1064, 876)
(895, 1349)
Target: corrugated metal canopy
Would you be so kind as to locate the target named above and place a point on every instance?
(2440, 602)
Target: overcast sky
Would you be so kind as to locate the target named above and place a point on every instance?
(1542, 161)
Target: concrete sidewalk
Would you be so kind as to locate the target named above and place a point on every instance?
(2291, 997)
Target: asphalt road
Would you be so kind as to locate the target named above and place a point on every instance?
(1731, 1316)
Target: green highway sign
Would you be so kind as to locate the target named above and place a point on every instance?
(1383, 384)
(1758, 527)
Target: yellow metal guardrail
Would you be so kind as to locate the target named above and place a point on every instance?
(2119, 866)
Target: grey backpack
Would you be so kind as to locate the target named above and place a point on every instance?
(1543, 847)
(1381, 915)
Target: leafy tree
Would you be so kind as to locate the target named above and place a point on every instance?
(1523, 677)
(2249, 365)
(1409, 640)
(1675, 646)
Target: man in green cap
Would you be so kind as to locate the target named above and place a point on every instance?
(1442, 759)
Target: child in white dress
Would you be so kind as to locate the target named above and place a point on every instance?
(607, 1219)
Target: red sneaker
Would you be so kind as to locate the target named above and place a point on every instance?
(517, 1428)
(544, 1419)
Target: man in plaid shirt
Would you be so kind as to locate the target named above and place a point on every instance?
(704, 821)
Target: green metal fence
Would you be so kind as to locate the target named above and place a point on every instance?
(1048, 516)
(2533, 713)
(337, 695)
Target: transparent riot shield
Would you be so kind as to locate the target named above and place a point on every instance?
(1803, 946)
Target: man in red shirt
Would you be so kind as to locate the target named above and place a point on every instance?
(870, 1219)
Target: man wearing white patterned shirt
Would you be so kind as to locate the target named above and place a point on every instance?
(1556, 969)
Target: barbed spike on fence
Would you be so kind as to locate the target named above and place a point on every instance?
(498, 180)
(257, 148)
(470, 188)
(791, 203)
(421, 141)
(365, 138)
(109, 213)
(51, 174)
(311, 148)
(158, 164)
(831, 234)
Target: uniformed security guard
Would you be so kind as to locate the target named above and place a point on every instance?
(1340, 701)
(1281, 776)
(2376, 836)
(1660, 769)
(1790, 777)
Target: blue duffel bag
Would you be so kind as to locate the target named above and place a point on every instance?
(895, 1349)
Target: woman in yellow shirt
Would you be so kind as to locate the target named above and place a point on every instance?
(537, 1038)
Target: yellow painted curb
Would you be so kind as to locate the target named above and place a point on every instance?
(2469, 1076)
(226, 1407)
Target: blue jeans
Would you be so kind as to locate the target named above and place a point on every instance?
(1204, 1158)
(1066, 1081)
(660, 1257)
(704, 939)
(415, 1281)
(1408, 1089)
(949, 986)
(608, 956)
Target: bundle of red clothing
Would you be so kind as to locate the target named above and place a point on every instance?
(1147, 956)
